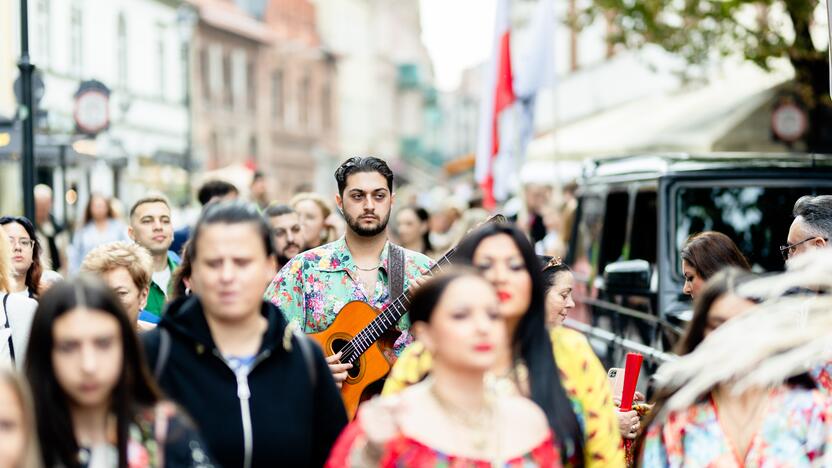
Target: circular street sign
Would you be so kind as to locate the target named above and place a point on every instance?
(789, 122)
(92, 108)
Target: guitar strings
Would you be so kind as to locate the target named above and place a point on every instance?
(352, 350)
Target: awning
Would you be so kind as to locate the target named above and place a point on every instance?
(691, 120)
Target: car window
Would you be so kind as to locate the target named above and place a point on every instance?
(614, 234)
(756, 217)
(643, 236)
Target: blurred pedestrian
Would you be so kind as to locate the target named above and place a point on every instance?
(287, 232)
(530, 218)
(705, 417)
(26, 250)
(95, 401)
(125, 267)
(314, 213)
(18, 435)
(151, 228)
(704, 255)
(559, 282)
(51, 234)
(552, 244)
(211, 191)
(181, 282)
(100, 226)
(18, 312)
(444, 233)
(413, 229)
(261, 393)
(556, 369)
(452, 418)
(812, 226)
(259, 191)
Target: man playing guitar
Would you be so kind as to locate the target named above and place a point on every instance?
(315, 285)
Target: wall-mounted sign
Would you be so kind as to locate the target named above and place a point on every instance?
(92, 107)
(789, 122)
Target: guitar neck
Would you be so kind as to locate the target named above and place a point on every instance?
(391, 314)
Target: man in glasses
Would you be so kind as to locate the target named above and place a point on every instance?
(812, 226)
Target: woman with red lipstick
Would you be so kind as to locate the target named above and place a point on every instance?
(572, 390)
(451, 418)
(95, 402)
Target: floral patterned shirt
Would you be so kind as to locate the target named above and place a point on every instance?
(796, 431)
(313, 287)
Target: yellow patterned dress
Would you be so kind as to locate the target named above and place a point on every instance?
(582, 376)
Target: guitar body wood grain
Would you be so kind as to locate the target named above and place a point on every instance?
(370, 367)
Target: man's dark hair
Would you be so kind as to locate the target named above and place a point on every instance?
(816, 213)
(214, 188)
(358, 164)
(277, 209)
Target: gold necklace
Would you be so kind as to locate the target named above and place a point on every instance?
(479, 423)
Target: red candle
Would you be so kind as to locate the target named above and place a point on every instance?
(631, 371)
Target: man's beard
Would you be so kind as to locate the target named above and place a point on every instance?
(282, 258)
(356, 227)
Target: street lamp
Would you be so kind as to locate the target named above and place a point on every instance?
(27, 114)
(186, 20)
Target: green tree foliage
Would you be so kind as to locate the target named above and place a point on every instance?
(704, 30)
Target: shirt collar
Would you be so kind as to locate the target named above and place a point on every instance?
(339, 257)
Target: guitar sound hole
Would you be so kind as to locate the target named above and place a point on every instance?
(337, 345)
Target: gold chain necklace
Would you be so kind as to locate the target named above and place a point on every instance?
(479, 424)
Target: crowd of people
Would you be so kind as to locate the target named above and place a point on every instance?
(235, 341)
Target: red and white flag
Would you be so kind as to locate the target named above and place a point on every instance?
(495, 134)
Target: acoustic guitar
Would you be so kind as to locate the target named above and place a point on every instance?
(359, 331)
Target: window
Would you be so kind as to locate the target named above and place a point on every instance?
(160, 59)
(303, 104)
(252, 149)
(76, 39)
(643, 240)
(326, 106)
(226, 80)
(239, 79)
(121, 52)
(205, 73)
(251, 87)
(44, 31)
(756, 218)
(277, 95)
(614, 234)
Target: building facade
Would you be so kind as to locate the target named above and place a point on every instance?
(262, 91)
(387, 103)
(132, 47)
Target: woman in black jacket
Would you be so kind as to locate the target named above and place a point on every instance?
(262, 394)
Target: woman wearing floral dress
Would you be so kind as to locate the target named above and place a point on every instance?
(715, 419)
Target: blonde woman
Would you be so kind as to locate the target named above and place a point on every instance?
(16, 311)
(315, 216)
(18, 435)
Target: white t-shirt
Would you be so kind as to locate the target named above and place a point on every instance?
(17, 322)
(162, 279)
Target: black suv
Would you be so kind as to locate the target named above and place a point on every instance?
(634, 214)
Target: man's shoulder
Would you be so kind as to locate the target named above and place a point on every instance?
(417, 258)
(321, 257)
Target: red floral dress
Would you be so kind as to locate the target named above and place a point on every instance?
(403, 451)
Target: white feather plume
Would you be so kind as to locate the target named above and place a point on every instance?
(782, 337)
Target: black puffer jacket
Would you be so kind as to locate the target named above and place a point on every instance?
(276, 415)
